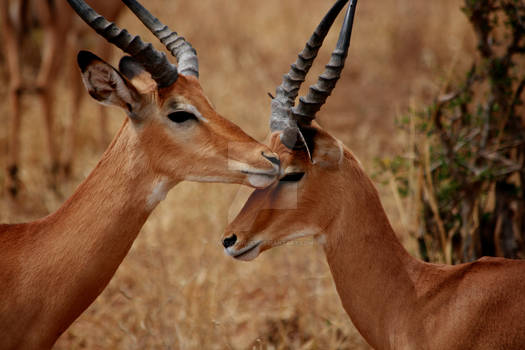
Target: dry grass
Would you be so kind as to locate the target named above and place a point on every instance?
(176, 289)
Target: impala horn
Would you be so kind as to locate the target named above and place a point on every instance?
(155, 62)
(177, 45)
(289, 119)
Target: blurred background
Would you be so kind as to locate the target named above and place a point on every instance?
(176, 289)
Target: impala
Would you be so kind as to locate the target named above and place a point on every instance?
(52, 269)
(59, 26)
(394, 300)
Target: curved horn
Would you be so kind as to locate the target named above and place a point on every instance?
(178, 46)
(308, 106)
(287, 92)
(155, 62)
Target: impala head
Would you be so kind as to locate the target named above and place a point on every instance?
(300, 203)
(175, 124)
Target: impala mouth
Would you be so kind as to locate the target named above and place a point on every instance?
(261, 180)
(247, 253)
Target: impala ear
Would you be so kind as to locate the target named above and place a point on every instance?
(328, 151)
(137, 75)
(105, 84)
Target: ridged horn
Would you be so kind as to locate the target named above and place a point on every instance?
(287, 118)
(317, 95)
(186, 55)
(155, 62)
(287, 92)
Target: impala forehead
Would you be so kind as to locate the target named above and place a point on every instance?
(288, 157)
(293, 162)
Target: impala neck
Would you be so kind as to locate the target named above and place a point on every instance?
(89, 236)
(373, 273)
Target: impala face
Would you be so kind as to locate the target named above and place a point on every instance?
(177, 125)
(298, 205)
(178, 133)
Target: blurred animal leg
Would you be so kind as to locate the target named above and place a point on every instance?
(13, 182)
(77, 90)
(12, 55)
(45, 84)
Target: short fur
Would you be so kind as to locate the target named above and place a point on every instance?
(52, 269)
(394, 300)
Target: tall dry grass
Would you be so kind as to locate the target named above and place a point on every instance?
(176, 289)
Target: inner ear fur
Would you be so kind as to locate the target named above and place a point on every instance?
(328, 151)
(105, 84)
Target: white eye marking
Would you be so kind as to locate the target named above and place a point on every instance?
(193, 110)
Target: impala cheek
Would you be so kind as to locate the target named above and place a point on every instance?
(307, 232)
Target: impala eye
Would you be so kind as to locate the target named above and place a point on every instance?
(292, 177)
(181, 116)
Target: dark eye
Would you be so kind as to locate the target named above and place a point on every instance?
(181, 116)
(292, 177)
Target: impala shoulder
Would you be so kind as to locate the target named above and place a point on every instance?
(492, 260)
(496, 264)
(487, 270)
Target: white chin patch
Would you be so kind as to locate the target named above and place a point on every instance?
(247, 253)
(252, 254)
(260, 181)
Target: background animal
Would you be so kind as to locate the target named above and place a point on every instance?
(176, 289)
(61, 33)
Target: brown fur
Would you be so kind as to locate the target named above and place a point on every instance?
(394, 300)
(52, 269)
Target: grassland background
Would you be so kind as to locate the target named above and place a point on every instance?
(177, 289)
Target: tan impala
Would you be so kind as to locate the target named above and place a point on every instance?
(394, 300)
(52, 269)
(59, 27)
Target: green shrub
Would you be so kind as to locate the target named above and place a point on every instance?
(464, 173)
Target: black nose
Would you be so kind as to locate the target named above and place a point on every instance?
(229, 241)
(272, 159)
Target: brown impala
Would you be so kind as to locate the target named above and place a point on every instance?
(394, 300)
(52, 269)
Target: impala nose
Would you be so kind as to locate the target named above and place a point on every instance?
(272, 159)
(229, 241)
